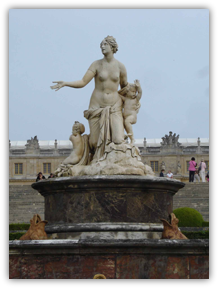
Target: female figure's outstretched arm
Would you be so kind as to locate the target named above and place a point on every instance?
(75, 84)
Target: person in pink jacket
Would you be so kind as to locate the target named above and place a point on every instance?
(202, 167)
(191, 168)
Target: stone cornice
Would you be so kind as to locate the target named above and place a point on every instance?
(141, 246)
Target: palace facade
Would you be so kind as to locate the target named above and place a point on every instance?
(27, 158)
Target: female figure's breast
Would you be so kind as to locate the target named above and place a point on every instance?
(107, 80)
(109, 75)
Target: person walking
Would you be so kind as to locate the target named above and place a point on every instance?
(201, 169)
(196, 176)
(191, 169)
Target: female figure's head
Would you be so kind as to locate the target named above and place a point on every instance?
(193, 158)
(111, 42)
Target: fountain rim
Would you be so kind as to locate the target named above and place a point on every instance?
(110, 181)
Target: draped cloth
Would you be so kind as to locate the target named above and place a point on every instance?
(101, 121)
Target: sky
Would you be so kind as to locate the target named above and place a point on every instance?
(166, 49)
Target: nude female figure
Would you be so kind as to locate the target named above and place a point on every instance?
(105, 101)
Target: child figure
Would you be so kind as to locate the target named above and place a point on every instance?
(131, 94)
(78, 144)
(80, 154)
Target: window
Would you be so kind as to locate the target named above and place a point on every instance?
(46, 168)
(187, 165)
(154, 166)
(18, 168)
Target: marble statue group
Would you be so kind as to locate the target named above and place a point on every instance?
(105, 150)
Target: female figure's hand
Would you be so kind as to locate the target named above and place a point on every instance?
(58, 86)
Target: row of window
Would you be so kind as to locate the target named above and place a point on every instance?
(18, 167)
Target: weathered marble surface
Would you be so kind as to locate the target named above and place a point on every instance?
(201, 246)
(104, 230)
(118, 159)
(116, 259)
(94, 199)
(118, 235)
(105, 226)
(104, 206)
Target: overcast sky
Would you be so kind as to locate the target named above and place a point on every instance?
(166, 49)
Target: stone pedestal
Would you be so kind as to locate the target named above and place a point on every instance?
(108, 219)
(115, 259)
(106, 205)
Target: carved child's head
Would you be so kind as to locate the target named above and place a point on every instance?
(129, 90)
(78, 128)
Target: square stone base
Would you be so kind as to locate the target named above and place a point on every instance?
(117, 259)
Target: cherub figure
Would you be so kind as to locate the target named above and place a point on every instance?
(131, 94)
(80, 153)
(78, 144)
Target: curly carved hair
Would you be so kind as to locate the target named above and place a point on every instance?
(125, 90)
(112, 42)
(81, 126)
